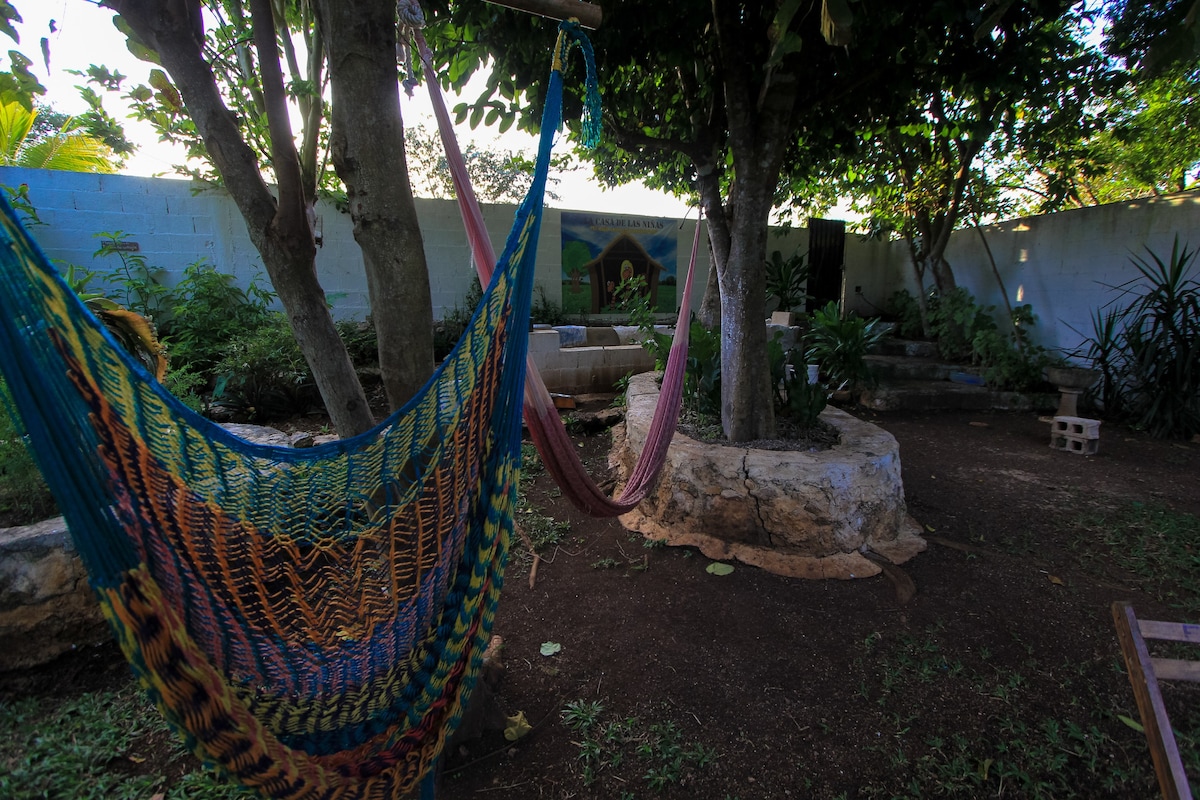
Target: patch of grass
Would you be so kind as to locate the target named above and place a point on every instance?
(543, 530)
(103, 745)
(656, 753)
(1010, 740)
(1158, 546)
(531, 461)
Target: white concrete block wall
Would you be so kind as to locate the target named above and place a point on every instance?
(175, 228)
(1064, 264)
(1060, 263)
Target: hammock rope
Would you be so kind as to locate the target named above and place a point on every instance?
(310, 621)
(541, 416)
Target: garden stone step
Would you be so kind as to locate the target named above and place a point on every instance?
(893, 346)
(888, 368)
(921, 395)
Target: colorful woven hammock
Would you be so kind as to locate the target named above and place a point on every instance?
(310, 621)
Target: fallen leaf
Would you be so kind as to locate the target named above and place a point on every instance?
(517, 727)
(550, 648)
(1057, 581)
(1133, 723)
(930, 528)
(717, 568)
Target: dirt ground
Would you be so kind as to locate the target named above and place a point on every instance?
(1000, 678)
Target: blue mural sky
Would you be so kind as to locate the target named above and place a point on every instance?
(596, 230)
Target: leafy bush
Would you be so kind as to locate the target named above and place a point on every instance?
(361, 340)
(702, 378)
(905, 309)
(1011, 361)
(263, 374)
(209, 313)
(544, 310)
(448, 330)
(840, 346)
(795, 398)
(24, 497)
(136, 284)
(955, 319)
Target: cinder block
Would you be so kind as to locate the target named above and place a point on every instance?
(1074, 444)
(1078, 427)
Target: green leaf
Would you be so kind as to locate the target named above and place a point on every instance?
(9, 15)
(718, 568)
(550, 648)
(1133, 723)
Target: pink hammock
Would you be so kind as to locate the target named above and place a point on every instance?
(557, 452)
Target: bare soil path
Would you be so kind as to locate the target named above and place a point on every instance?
(1001, 677)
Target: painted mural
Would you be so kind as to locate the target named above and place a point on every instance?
(605, 256)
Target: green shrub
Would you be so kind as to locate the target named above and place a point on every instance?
(544, 310)
(795, 398)
(787, 279)
(448, 330)
(361, 341)
(1011, 361)
(24, 497)
(905, 309)
(955, 320)
(135, 284)
(702, 378)
(209, 313)
(840, 346)
(263, 374)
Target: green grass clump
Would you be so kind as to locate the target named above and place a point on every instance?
(106, 745)
(1158, 546)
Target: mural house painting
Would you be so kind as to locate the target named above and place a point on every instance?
(604, 256)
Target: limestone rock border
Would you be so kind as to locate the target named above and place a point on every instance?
(794, 513)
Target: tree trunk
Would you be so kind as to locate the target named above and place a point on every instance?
(760, 125)
(747, 408)
(367, 148)
(279, 229)
(709, 313)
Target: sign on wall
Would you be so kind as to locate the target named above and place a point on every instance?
(604, 256)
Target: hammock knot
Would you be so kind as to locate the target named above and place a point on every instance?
(571, 34)
(410, 19)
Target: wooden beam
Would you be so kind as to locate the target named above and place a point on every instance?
(1172, 780)
(589, 14)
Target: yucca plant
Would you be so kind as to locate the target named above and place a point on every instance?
(1162, 344)
(1148, 348)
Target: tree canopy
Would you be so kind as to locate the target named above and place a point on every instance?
(740, 104)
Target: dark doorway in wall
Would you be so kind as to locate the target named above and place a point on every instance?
(826, 259)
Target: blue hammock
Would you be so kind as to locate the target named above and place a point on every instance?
(310, 621)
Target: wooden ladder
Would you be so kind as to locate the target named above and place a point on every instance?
(1144, 673)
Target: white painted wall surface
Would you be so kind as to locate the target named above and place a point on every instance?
(175, 228)
(1060, 263)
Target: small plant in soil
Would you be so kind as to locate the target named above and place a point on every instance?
(623, 747)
